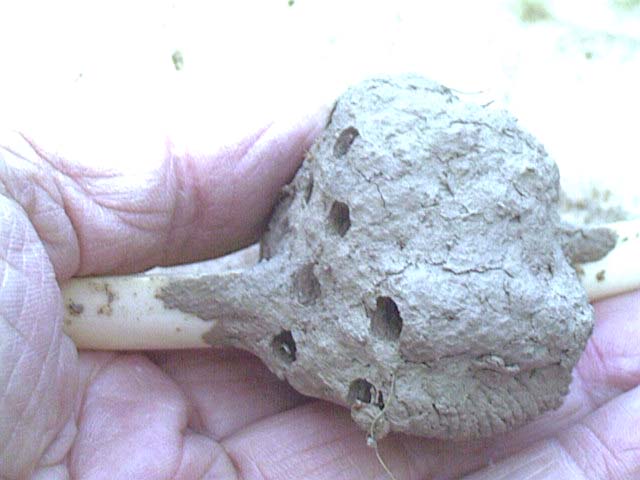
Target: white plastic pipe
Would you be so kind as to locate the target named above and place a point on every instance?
(124, 313)
(619, 271)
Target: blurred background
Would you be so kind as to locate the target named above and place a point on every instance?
(568, 69)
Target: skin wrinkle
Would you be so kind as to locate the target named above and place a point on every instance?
(184, 430)
(243, 457)
(72, 221)
(183, 433)
(47, 442)
(231, 162)
(595, 356)
(10, 248)
(595, 359)
(14, 326)
(236, 373)
(247, 430)
(32, 396)
(81, 410)
(609, 456)
(21, 307)
(181, 455)
(248, 166)
(178, 197)
(19, 156)
(60, 453)
(66, 171)
(28, 208)
(38, 167)
(254, 466)
(72, 215)
(15, 268)
(542, 469)
(188, 192)
(244, 147)
(16, 421)
(192, 193)
(407, 454)
(83, 386)
(122, 211)
(589, 457)
(224, 220)
(15, 329)
(323, 465)
(210, 464)
(217, 452)
(225, 224)
(95, 373)
(32, 204)
(22, 352)
(195, 421)
(212, 458)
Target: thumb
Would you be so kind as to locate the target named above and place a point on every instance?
(38, 371)
(130, 188)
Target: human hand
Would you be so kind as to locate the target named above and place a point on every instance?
(220, 413)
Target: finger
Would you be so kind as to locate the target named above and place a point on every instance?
(114, 194)
(227, 388)
(204, 458)
(317, 440)
(120, 424)
(604, 445)
(133, 415)
(611, 363)
(132, 424)
(37, 362)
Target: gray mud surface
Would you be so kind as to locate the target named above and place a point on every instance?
(417, 249)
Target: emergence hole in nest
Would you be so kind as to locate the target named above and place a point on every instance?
(344, 141)
(386, 321)
(340, 218)
(306, 285)
(308, 190)
(284, 346)
(361, 390)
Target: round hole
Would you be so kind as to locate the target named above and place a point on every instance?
(361, 390)
(386, 321)
(284, 346)
(344, 141)
(340, 218)
(308, 190)
(306, 285)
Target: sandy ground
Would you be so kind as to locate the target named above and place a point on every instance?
(572, 77)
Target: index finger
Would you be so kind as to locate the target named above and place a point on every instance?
(109, 193)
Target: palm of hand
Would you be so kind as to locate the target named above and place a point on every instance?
(220, 413)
